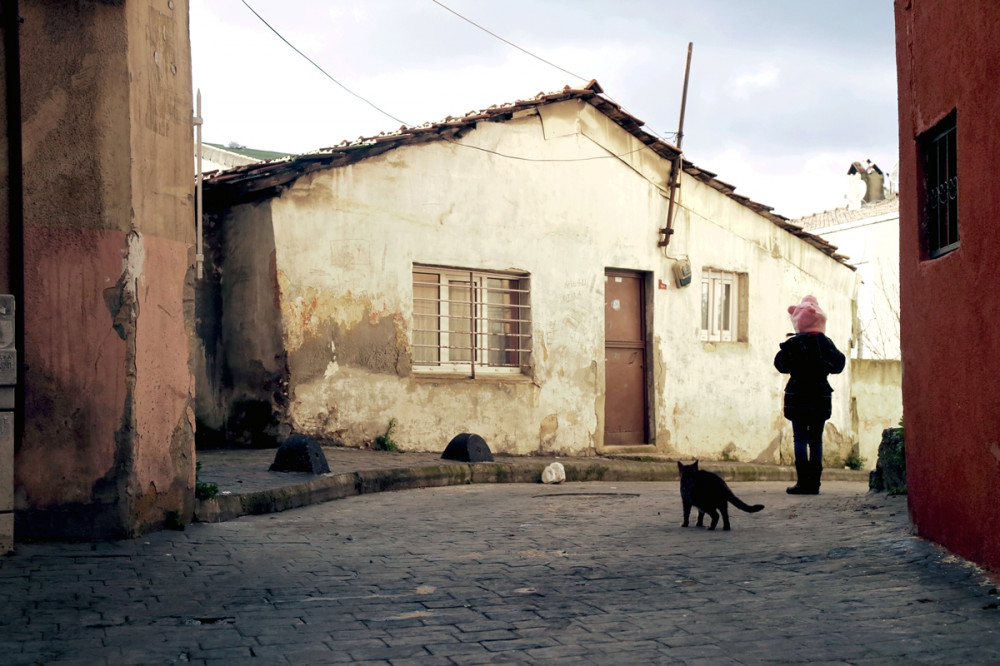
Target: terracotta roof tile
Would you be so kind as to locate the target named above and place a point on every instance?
(845, 215)
(254, 181)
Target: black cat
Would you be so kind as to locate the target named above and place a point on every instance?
(709, 494)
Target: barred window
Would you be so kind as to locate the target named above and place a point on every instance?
(470, 321)
(940, 163)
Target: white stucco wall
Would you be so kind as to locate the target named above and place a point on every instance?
(526, 195)
(877, 402)
(872, 245)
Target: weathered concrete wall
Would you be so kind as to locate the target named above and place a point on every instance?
(948, 56)
(242, 392)
(876, 402)
(346, 240)
(108, 443)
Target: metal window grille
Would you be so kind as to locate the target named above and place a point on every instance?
(941, 188)
(466, 320)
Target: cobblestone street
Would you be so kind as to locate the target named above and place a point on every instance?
(596, 573)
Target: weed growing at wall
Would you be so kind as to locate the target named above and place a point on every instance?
(385, 442)
(854, 461)
(203, 490)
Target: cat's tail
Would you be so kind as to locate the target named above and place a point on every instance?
(743, 506)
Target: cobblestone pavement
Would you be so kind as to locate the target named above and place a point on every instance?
(596, 573)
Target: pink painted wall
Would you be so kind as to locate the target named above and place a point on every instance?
(108, 447)
(948, 58)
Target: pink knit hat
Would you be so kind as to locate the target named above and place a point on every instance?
(808, 316)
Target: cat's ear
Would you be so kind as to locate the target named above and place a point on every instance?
(680, 466)
(694, 465)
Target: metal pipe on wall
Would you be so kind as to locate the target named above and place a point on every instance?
(199, 255)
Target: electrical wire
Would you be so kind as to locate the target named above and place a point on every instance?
(324, 72)
(485, 150)
(535, 159)
(508, 42)
(561, 69)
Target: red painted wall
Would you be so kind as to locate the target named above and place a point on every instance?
(108, 443)
(948, 58)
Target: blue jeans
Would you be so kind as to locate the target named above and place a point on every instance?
(807, 437)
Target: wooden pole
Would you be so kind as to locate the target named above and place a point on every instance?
(675, 166)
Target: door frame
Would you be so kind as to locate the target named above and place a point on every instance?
(644, 279)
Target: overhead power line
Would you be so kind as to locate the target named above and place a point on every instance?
(325, 73)
(505, 41)
(403, 122)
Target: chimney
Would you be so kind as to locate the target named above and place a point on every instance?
(865, 184)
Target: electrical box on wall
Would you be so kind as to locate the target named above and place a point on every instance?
(682, 272)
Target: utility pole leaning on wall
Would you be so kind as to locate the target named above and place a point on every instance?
(678, 164)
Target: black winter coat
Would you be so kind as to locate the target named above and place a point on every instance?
(809, 358)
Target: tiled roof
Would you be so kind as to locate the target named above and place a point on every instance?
(845, 215)
(254, 181)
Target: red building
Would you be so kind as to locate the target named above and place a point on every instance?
(948, 60)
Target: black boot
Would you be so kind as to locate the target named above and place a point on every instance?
(815, 472)
(801, 486)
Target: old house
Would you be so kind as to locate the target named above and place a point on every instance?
(510, 272)
(948, 56)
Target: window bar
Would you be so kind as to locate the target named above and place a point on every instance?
(472, 324)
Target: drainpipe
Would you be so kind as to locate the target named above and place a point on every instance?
(675, 166)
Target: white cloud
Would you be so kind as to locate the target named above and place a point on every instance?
(761, 79)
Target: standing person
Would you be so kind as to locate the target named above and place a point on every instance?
(809, 357)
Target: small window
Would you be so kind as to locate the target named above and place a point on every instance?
(723, 306)
(470, 321)
(939, 159)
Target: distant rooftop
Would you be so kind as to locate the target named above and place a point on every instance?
(259, 155)
(845, 215)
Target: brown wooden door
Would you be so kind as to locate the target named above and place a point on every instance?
(625, 414)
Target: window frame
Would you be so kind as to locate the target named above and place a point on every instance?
(493, 321)
(938, 158)
(712, 326)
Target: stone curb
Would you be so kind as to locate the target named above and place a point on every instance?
(328, 487)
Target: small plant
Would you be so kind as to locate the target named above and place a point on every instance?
(203, 490)
(385, 442)
(854, 461)
(174, 522)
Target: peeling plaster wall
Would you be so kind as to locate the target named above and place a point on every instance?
(877, 400)
(727, 396)
(109, 426)
(346, 240)
(250, 371)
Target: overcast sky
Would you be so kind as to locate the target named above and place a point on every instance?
(784, 94)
